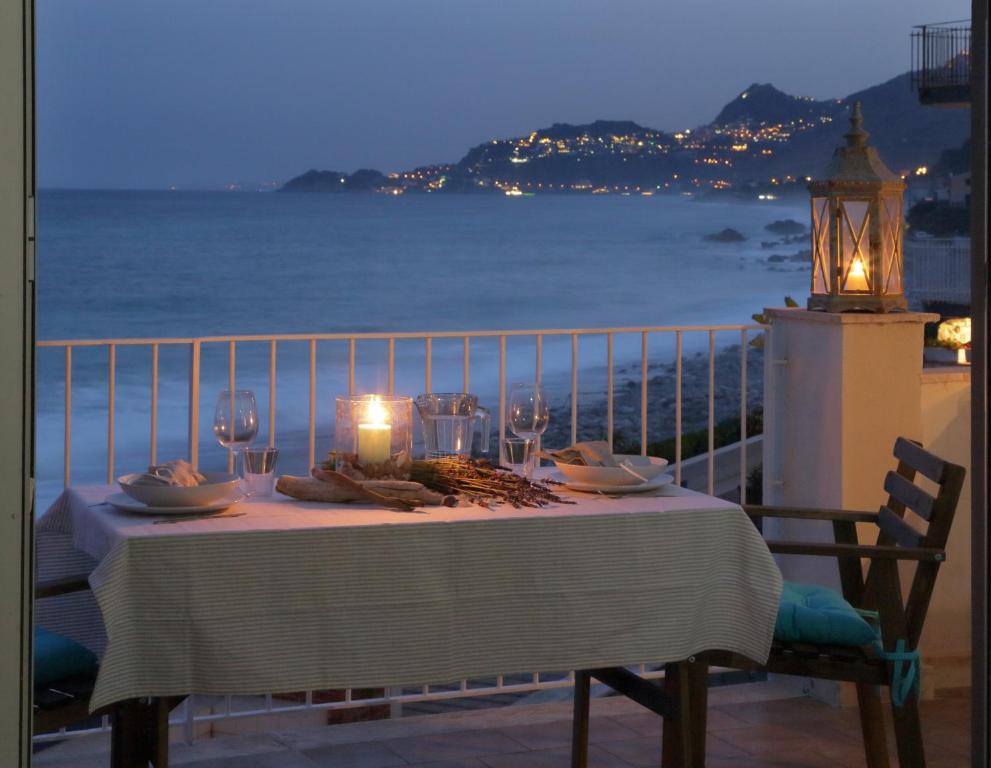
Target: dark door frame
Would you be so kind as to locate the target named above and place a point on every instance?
(979, 381)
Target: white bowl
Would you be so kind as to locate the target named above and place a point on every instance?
(218, 485)
(647, 467)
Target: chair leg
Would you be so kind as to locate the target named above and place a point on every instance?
(129, 737)
(698, 678)
(579, 722)
(872, 725)
(677, 741)
(159, 737)
(908, 734)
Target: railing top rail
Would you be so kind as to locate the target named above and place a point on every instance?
(385, 335)
(938, 24)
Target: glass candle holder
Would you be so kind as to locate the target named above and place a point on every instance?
(373, 436)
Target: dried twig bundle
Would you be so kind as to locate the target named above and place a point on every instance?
(482, 482)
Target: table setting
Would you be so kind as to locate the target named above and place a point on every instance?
(383, 568)
(372, 461)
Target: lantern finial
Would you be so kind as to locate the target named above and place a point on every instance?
(857, 137)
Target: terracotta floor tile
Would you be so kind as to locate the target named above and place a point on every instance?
(554, 758)
(283, 759)
(644, 723)
(752, 736)
(456, 745)
(558, 732)
(361, 755)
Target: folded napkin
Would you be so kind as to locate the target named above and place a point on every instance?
(594, 453)
(178, 472)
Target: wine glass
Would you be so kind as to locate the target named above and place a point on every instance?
(235, 420)
(528, 411)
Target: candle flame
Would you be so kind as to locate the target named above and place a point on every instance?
(375, 413)
(856, 278)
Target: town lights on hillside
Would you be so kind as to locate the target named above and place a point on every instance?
(857, 261)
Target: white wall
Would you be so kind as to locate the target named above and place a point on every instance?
(946, 431)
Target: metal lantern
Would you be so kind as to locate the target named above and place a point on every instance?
(857, 258)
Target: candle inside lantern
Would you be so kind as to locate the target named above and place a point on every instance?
(374, 435)
(856, 278)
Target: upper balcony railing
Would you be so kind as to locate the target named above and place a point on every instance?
(941, 63)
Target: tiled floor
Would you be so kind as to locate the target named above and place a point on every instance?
(745, 731)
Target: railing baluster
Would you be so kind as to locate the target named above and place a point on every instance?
(574, 388)
(428, 362)
(194, 404)
(232, 387)
(466, 370)
(538, 376)
(643, 393)
(313, 403)
(67, 439)
(271, 392)
(743, 416)
(111, 408)
(711, 463)
(610, 416)
(677, 406)
(351, 355)
(502, 399)
(392, 366)
(153, 452)
(189, 719)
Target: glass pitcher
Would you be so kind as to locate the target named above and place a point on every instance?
(450, 421)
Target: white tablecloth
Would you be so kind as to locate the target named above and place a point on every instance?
(302, 596)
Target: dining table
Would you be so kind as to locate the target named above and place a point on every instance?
(275, 595)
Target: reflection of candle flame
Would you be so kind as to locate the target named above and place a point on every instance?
(375, 413)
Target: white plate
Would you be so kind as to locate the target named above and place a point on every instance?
(653, 485)
(649, 467)
(125, 503)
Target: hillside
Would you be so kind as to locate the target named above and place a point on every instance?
(762, 137)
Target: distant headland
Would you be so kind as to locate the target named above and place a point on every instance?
(763, 142)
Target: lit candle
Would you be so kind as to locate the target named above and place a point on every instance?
(374, 435)
(856, 278)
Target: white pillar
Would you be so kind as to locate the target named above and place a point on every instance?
(838, 390)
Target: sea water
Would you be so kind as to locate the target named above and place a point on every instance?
(117, 264)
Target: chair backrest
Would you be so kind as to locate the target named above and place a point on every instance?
(928, 526)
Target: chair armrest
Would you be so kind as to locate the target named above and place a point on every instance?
(810, 513)
(872, 551)
(63, 585)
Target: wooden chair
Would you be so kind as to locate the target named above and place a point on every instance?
(139, 728)
(900, 620)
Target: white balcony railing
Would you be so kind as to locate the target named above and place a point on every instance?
(479, 361)
(937, 270)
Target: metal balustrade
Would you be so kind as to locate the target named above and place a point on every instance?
(616, 341)
(941, 62)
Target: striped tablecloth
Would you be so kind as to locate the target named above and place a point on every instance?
(299, 596)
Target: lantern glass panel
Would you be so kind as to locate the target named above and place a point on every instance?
(820, 245)
(855, 253)
(891, 243)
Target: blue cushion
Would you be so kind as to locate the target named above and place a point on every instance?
(56, 657)
(813, 614)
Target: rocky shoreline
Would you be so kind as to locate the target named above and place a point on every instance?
(592, 405)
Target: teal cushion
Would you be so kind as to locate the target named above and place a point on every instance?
(56, 657)
(812, 614)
